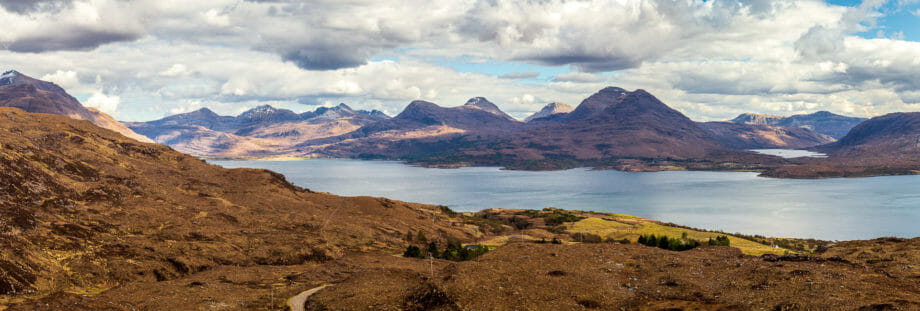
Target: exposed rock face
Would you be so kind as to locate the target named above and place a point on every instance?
(20, 91)
(753, 136)
(555, 109)
(823, 122)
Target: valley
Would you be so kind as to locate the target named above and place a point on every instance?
(94, 219)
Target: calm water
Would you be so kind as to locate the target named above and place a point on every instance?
(790, 153)
(832, 209)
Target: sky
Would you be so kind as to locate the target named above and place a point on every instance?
(712, 60)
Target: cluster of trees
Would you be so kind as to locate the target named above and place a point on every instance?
(554, 241)
(453, 251)
(720, 241)
(665, 242)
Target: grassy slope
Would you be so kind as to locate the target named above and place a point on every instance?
(617, 230)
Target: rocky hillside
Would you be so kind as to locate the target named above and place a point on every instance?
(83, 209)
(827, 123)
(20, 91)
(890, 137)
(755, 136)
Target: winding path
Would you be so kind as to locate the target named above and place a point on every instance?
(296, 303)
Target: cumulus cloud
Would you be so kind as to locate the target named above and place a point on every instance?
(708, 59)
(104, 103)
(65, 79)
(68, 25)
(820, 43)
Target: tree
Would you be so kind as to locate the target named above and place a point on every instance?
(641, 240)
(433, 249)
(421, 236)
(651, 240)
(409, 235)
(413, 252)
(720, 241)
(663, 242)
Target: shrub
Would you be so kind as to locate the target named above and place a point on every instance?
(421, 236)
(720, 241)
(664, 242)
(413, 252)
(433, 249)
(447, 211)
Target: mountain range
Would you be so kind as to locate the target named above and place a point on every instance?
(613, 128)
(261, 131)
(478, 131)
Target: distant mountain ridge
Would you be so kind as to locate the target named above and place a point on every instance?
(885, 145)
(612, 128)
(258, 132)
(824, 122)
(32, 95)
(760, 136)
(890, 138)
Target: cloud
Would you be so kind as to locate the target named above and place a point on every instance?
(73, 39)
(520, 75)
(30, 6)
(577, 77)
(65, 79)
(175, 70)
(820, 43)
(104, 103)
(69, 25)
(709, 59)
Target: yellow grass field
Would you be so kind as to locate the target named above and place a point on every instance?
(614, 229)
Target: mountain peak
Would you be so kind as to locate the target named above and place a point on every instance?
(610, 90)
(204, 111)
(485, 105)
(824, 113)
(268, 113)
(14, 77)
(597, 102)
(7, 77)
(554, 108)
(343, 106)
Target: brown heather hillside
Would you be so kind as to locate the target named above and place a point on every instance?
(608, 276)
(84, 209)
